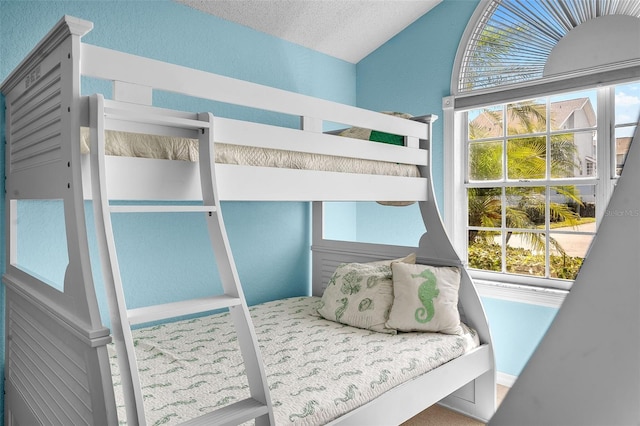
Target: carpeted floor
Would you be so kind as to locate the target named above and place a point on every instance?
(439, 416)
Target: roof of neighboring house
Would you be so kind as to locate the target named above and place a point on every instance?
(623, 144)
(562, 110)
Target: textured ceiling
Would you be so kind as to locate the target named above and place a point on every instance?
(345, 29)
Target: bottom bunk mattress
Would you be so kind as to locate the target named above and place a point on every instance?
(317, 370)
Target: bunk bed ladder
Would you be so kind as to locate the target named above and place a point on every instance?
(258, 405)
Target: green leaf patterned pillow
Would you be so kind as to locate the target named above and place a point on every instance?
(360, 295)
(425, 299)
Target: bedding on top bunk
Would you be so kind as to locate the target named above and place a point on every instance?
(317, 369)
(127, 144)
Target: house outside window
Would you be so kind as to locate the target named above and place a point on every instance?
(535, 145)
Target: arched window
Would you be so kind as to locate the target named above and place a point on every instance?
(517, 41)
(536, 88)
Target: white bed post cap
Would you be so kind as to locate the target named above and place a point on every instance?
(66, 26)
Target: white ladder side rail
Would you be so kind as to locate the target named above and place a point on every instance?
(121, 329)
(241, 317)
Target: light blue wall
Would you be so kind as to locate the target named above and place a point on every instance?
(516, 328)
(412, 73)
(370, 222)
(270, 241)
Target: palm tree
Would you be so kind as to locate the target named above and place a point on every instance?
(526, 159)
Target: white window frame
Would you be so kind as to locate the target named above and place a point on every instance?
(544, 291)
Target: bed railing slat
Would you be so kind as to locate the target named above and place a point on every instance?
(162, 209)
(112, 65)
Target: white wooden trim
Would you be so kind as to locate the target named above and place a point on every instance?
(449, 158)
(505, 379)
(521, 293)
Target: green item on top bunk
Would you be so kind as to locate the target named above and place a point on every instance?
(375, 135)
(389, 138)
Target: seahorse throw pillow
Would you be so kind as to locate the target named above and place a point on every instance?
(360, 295)
(425, 299)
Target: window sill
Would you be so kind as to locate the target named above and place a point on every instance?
(521, 293)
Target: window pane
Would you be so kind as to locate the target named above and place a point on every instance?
(627, 103)
(485, 207)
(627, 115)
(573, 111)
(624, 136)
(485, 123)
(527, 158)
(526, 207)
(580, 198)
(573, 155)
(563, 205)
(526, 253)
(527, 117)
(485, 251)
(485, 160)
(568, 250)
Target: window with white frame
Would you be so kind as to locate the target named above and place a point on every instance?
(536, 146)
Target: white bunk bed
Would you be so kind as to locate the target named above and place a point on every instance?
(58, 367)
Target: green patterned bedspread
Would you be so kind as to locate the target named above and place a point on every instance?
(317, 370)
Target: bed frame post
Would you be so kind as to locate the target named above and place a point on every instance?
(66, 375)
(478, 398)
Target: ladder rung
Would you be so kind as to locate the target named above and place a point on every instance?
(176, 309)
(160, 209)
(119, 112)
(234, 414)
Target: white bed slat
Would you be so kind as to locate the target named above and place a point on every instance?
(112, 65)
(273, 184)
(162, 209)
(113, 111)
(176, 309)
(265, 136)
(129, 117)
(179, 180)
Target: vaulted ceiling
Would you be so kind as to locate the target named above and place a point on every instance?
(345, 29)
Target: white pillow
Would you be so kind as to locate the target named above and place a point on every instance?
(425, 299)
(361, 295)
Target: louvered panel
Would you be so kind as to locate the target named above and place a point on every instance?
(327, 269)
(42, 364)
(35, 123)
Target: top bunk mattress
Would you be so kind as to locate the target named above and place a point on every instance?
(127, 144)
(317, 370)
